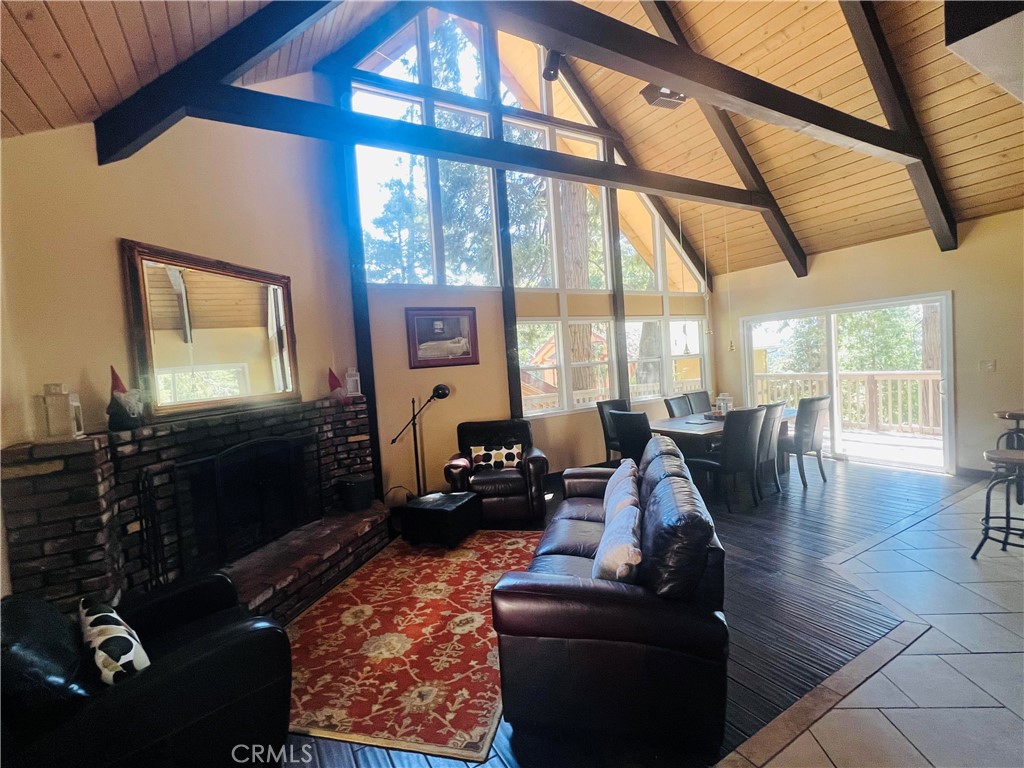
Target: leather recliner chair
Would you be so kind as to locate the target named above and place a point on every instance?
(219, 680)
(512, 495)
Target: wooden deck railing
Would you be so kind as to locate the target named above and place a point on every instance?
(877, 401)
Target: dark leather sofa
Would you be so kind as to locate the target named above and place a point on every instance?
(219, 680)
(510, 496)
(581, 653)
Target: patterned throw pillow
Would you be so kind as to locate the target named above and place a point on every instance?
(116, 648)
(487, 457)
(618, 555)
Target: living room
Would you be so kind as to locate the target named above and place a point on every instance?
(252, 184)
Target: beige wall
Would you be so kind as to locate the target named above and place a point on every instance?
(479, 392)
(985, 274)
(240, 195)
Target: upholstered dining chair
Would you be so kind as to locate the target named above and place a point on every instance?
(768, 445)
(678, 406)
(611, 440)
(700, 402)
(511, 486)
(634, 432)
(808, 436)
(738, 452)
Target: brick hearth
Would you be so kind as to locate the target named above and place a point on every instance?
(74, 509)
(288, 575)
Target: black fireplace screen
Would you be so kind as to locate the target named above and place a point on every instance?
(231, 503)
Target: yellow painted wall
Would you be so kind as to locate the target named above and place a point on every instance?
(985, 274)
(219, 345)
(479, 392)
(224, 192)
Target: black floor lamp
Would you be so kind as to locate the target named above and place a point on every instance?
(440, 392)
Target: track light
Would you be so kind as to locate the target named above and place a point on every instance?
(552, 62)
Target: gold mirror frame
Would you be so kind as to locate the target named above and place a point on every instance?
(134, 254)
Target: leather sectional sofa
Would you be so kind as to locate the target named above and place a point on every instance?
(645, 658)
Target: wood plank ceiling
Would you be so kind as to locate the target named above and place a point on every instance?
(66, 62)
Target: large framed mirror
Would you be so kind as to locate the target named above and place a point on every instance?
(207, 335)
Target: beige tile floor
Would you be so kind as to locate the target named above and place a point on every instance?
(946, 687)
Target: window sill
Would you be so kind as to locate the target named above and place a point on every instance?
(549, 414)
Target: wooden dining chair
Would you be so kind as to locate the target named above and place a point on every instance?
(738, 452)
(700, 402)
(768, 445)
(611, 440)
(678, 406)
(633, 431)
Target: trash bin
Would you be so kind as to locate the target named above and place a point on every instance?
(356, 491)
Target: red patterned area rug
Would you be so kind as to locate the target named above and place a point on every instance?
(402, 654)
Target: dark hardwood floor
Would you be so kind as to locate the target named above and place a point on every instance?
(792, 620)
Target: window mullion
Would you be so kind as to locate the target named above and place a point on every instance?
(436, 223)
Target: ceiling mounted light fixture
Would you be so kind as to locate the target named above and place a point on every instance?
(552, 61)
(657, 96)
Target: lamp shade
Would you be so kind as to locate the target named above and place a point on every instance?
(441, 391)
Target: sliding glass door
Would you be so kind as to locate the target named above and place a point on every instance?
(886, 364)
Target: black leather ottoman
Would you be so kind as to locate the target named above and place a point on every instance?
(441, 518)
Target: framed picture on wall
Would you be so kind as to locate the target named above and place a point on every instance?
(441, 336)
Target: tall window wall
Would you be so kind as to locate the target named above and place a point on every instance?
(430, 221)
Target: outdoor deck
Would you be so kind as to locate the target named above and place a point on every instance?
(793, 621)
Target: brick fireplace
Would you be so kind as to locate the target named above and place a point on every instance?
(105, 514)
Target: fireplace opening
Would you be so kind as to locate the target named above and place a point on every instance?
(234, 502)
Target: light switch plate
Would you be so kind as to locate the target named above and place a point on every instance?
(987, 366)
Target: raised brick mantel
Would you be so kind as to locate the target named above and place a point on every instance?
(72, 509)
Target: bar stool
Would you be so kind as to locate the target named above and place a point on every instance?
(1008, 468)
(1012, 438)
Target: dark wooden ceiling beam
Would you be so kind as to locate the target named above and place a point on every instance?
(666, 26)
(896, 106)
(126, 128)
(241, 106)
(587, 34)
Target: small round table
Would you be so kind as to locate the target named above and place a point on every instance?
(1009, 471)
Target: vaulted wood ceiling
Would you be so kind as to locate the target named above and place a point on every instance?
(66, 62)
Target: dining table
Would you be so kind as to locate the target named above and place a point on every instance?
(698, 433)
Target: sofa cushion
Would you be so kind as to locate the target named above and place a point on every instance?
(498, 482)
(624, 495)
(580, 508)
(659, 468)
(570, 537)
(676, 531)
(562, 565)
(618, 555)
(658, 445)
(625, 470)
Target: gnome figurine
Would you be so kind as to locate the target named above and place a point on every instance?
(125, 408)
(335, 386)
